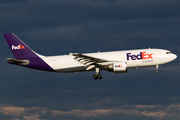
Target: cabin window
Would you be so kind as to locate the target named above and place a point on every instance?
(168, 52)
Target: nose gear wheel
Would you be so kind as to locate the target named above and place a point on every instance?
(157, 66)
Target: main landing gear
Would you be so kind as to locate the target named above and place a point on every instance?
(97, 75)
(157, 66)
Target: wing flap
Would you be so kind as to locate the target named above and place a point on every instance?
(90, 62)
(90, 67)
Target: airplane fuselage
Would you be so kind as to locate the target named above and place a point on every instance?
(134, 58)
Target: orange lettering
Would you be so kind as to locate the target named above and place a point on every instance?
(144, 55)
(150, 56)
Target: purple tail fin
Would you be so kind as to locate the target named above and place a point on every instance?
(19, 49)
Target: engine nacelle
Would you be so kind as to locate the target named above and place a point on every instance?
(118, 67)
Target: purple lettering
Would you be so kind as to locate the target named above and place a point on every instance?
(139, 56)
(133, 57)
(128, 55)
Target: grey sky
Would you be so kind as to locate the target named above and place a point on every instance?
(57, 27)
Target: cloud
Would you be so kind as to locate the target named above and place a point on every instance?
(82, 113)
(23, 112)
(158, 114)
(108, 112)
(12, 110)
(31, 117)
(149, 111)
(144, 106)
(128, 110)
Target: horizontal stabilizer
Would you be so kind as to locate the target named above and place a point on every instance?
(19, 62)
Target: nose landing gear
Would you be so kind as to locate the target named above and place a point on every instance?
(157, 66)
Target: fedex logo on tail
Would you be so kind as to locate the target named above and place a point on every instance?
(17, 47)
(142, 55)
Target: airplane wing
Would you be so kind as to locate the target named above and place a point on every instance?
(90, 62)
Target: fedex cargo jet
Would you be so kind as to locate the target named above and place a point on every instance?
(117, 61)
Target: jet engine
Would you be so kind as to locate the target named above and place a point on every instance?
(117, 67)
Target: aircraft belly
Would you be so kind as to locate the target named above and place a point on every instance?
(71, 69)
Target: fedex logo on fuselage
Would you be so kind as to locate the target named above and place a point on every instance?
(17, 47)
(142, 55)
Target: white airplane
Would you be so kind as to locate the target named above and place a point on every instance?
(117, 61)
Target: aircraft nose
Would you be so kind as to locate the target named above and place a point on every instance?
(171, 57)
(174, 56)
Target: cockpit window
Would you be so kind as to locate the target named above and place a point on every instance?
(168, 52)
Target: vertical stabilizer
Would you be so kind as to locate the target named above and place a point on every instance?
(19, 49)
